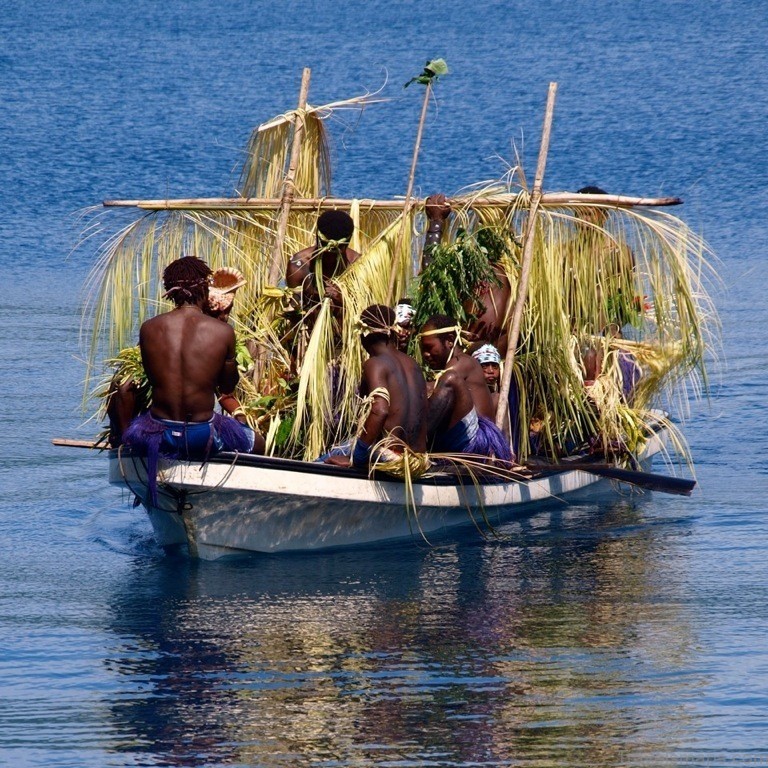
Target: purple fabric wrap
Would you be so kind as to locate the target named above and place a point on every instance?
(475, 434)
(630, 373)
(145, 436)
(489, 441)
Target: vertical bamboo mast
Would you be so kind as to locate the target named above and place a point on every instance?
(409, 190)
(525, 270)
(277, 266)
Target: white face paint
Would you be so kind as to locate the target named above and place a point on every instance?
(404, 314)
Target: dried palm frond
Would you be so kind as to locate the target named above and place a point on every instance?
(644, 270)
(268, 151)
(392, 456)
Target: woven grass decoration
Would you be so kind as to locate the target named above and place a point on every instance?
(643, 269)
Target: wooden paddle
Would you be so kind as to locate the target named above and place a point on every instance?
(679, 486)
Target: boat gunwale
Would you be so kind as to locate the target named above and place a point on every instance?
(456, 478)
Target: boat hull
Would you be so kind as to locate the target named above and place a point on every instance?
(236, 503)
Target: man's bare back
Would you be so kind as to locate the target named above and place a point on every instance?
(187, 356)
(401, 376)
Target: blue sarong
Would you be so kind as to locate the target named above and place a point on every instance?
(184, 440)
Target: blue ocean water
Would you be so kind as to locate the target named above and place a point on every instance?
(622, 633)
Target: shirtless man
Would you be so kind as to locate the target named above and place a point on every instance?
(396, 388)
(334, 230)
(460, 408)
(188, 356)
(493, 300)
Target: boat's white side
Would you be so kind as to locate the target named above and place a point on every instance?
(234, 503)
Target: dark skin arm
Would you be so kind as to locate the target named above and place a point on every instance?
(121, 410)
(229, 375)
(374, 376)
(441, 405)
(298, 273)
(438, 211)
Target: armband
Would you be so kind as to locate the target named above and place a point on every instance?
(361, 454)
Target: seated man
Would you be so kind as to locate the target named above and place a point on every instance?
(460, 408)
(393, 385)
(490, 361)
(312, 270)
(187, 356)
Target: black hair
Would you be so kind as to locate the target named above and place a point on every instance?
(405, 301)
(591, 191)
(335, 225)
(186, 280)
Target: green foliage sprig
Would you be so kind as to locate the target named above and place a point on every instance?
(456, 274)
(432, 70)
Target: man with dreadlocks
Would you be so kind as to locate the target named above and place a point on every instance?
(392, 385)
(188, 356)
(312, 270)
(460, 408)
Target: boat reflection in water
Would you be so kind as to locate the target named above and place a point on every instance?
(561, 643)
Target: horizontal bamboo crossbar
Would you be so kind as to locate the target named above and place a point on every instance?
(70, 443)
(549, 199)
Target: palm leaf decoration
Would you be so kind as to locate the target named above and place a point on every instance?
(644, 270)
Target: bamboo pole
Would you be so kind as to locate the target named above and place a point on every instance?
(409, 190)
(69, 443)
(525, 270)
(289, 184)
(548, 199)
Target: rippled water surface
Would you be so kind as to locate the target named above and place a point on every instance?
(625, 632)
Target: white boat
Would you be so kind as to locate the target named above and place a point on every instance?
(236, 503)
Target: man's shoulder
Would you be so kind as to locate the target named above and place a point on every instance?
(450, 377)
(381, 362)
(298, 267)
(301, 258)
(158, 321)
(464, 365)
